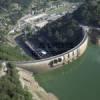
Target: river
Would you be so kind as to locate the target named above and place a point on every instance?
(79, 80)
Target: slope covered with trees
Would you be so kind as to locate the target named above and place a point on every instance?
(89, 13)
(10, 87)
(7, 3)
(13, 9)
(58, 36)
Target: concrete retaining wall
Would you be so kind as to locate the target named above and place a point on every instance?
(56, 61)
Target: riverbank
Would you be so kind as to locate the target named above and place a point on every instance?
(29, 82)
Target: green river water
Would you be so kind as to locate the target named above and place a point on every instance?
(79, 80)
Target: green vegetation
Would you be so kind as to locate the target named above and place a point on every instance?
(12, 10)
(9, 53)
(89, 13)
(94, 35)
(58, 34)
(10, 86)
(57, 10)
(68, 0)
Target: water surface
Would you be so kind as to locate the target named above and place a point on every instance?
(79, 80)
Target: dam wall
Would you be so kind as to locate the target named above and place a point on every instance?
(54, 62)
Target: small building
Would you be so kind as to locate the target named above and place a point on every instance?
(41, 24)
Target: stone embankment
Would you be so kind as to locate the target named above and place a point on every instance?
(34, 88)
(3, 70)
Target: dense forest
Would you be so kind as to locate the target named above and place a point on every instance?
(10, 86)
(58, 36)
(88, 13)
(75, 0)
(8, 3)
(13, 9)
(10, 12)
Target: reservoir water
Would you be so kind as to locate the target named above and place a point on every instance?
(79, 80)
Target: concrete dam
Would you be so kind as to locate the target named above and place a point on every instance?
(55, 54)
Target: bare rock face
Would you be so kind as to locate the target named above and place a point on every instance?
(98, 41)
(95, 36)
(34, 88)
(3, 69)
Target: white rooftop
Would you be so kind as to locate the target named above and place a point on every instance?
(41, 24)
(33, 18)
(43, 52)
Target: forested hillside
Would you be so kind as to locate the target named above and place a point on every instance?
(75, 0)
(14, 9)
(10, 12)
(7, 3)
(89, 13)
(10, 86)
(57, 33)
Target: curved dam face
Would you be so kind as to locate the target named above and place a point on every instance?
(73, 46)
(51, 63)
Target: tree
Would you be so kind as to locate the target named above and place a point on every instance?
(88, 13)
(10, 86)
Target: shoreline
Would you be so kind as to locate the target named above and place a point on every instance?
(28, 81)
